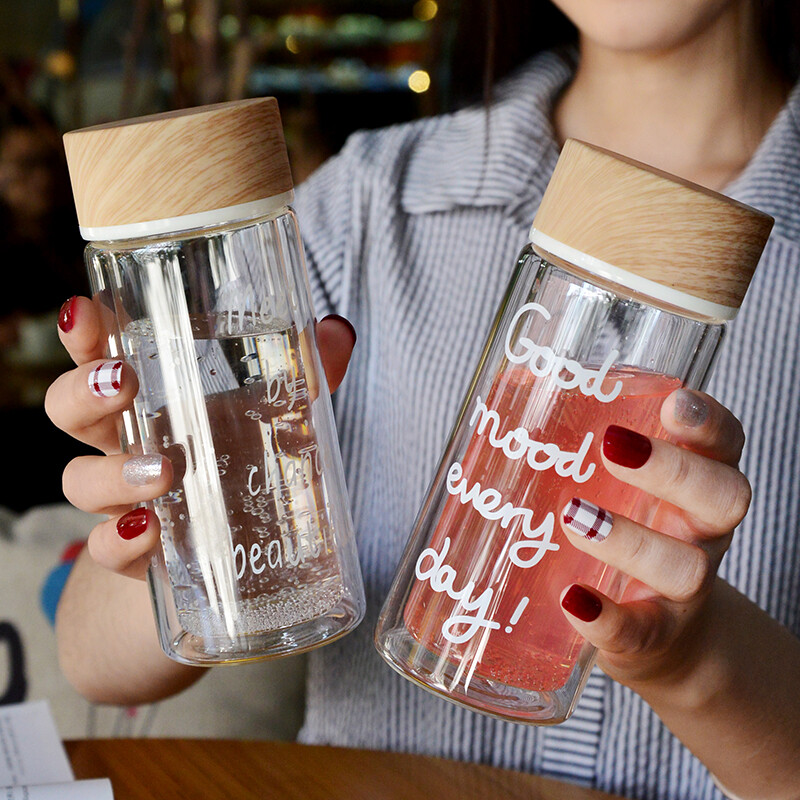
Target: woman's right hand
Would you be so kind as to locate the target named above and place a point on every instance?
(87, 403)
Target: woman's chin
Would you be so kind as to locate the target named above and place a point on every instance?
(646, 25)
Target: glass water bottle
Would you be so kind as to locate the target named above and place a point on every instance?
(199, 279)
(620, 297)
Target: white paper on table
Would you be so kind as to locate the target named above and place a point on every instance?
(99, 789)
(33, 762)
(30, 747)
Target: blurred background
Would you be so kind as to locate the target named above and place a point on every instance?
(90, 61)
(334, 65)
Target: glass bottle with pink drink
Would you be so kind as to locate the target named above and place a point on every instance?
(620, 297)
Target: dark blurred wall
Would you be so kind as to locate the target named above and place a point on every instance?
(26, 26)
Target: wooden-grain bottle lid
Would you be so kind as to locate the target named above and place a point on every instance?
(179, 170)
(658, 235)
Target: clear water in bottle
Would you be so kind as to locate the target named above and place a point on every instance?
(259, 514)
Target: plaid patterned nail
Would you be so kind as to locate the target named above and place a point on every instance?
(587, 519)
(104, 379)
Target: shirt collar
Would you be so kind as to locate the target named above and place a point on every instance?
(458, 164)
(771, 181)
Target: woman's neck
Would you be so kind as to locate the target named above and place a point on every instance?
(692, 110)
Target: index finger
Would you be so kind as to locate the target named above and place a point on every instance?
(715, 495)
(81, 331)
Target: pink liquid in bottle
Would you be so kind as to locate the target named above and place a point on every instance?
(512, 629)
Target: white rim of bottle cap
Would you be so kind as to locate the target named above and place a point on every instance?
(186, 222)
(674, 297)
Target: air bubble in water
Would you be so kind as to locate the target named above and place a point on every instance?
(288, 607)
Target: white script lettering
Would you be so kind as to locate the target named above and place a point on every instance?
(442, 578)
(253, 490)
(565, 463)
(288, 550)
(284, 379)
(542, 361)
(487, 503)
(284, 470)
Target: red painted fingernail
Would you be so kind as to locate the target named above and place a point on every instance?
(133, 524)
(346, 322)
(587, 520)
(582, 603)
(626, 447)
(65, 315)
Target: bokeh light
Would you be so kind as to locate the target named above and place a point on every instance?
(425, 10)
(419, 81)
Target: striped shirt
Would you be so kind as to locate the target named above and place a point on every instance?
(411, 232)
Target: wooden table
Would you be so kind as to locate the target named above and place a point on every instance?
(207, 769)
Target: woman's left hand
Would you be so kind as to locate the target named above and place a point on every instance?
(654, 633)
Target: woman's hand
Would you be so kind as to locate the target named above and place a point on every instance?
(654, 634)
(87, 403)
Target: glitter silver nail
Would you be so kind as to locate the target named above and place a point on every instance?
(141, 470)
(690, 409)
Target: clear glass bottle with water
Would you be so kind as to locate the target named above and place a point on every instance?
(198, 274)
(620, 297)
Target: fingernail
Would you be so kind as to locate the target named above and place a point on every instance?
(690, 410)
(141, 470)
(346, 322)
(133, 524)
(587, 520)
(104, 379)
(65, 315)
(626, 447)
(582, 603)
